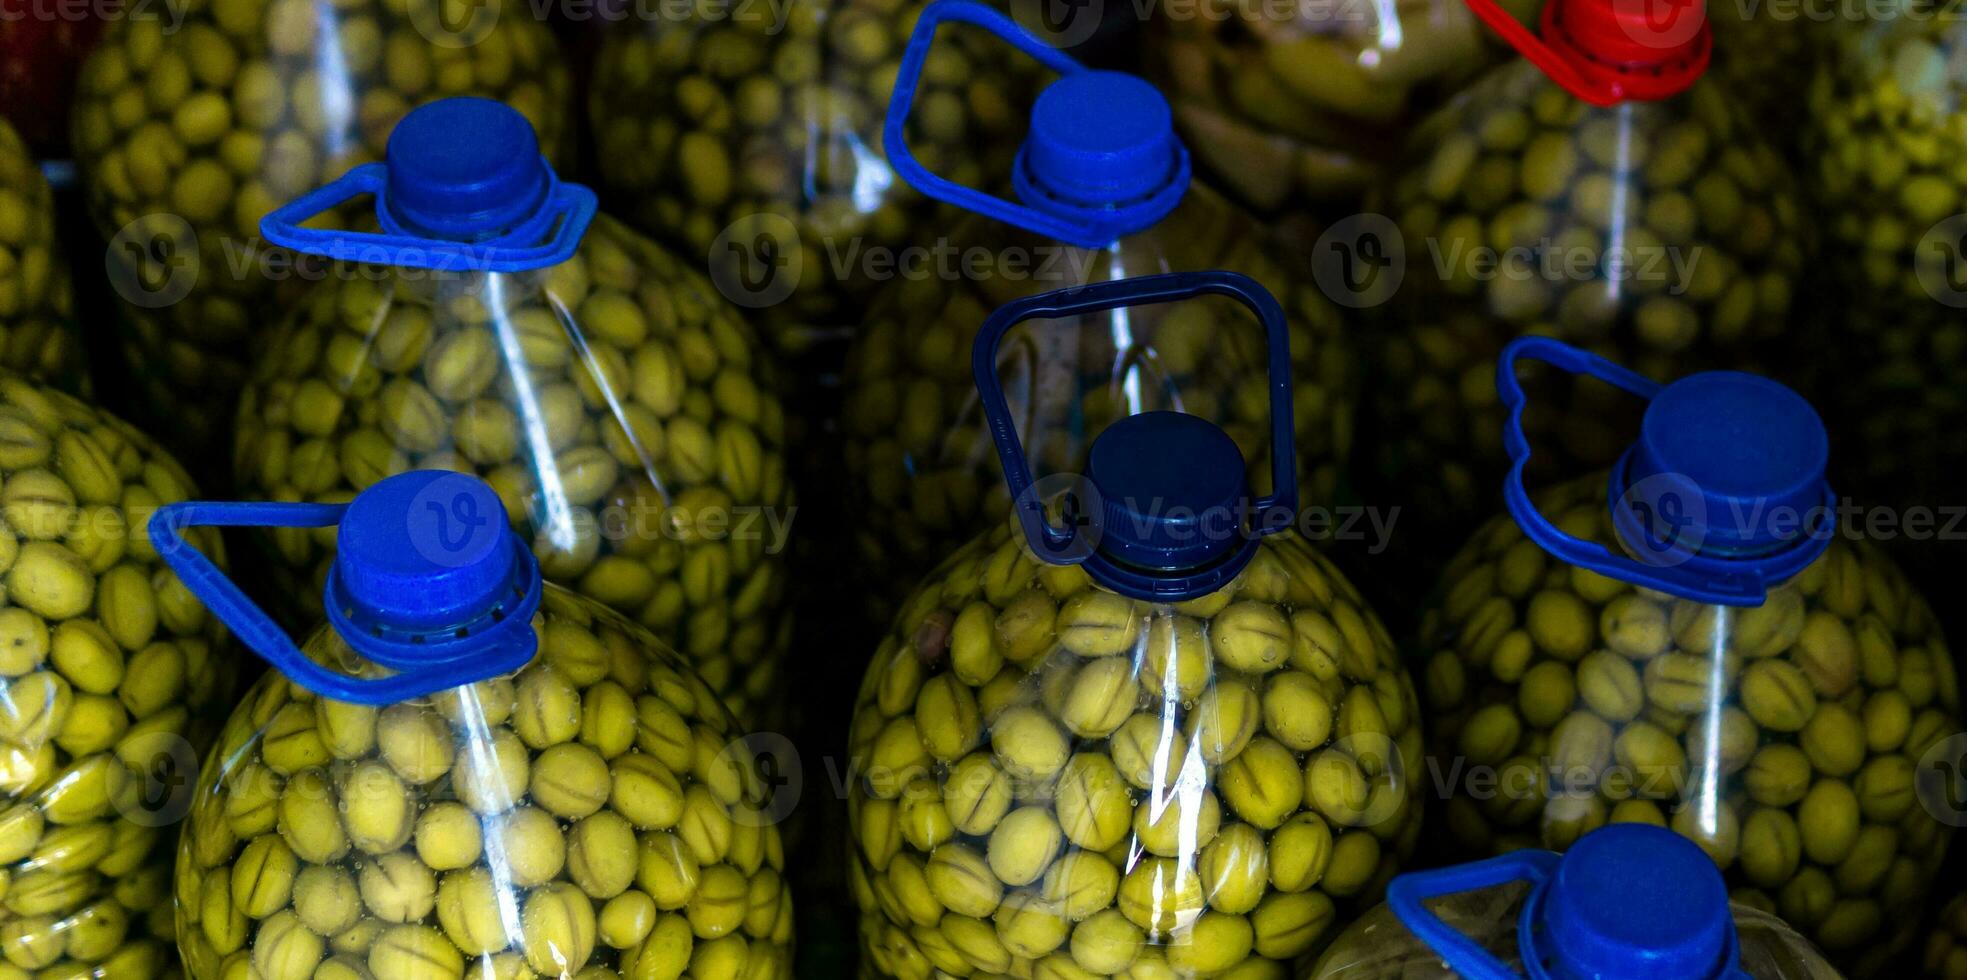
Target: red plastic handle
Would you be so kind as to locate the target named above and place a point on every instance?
(1608, 51)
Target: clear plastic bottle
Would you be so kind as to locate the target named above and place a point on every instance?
(1634, 211)
(1691, 640)
(111, 674)
(622, 410)
(466, 771)
(1946, 946)
(751, 135)
(38, 336)
(1296, 108)
(1166, 739)
(917, 449)
(1630, 902)
(189, 129)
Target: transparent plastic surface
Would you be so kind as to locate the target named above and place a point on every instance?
(1662, 235)
(188, 133)
(1889, 134)
(110, 674)
(924, 471)
(1298, 107)
(1946, 946)
(38, 337)
(594, 815)
(1781, 738)
(1053, 777)
(1379, 947)
(1764, 53)
(620, 408)
(751, 135)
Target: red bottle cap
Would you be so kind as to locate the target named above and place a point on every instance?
(1608, 51)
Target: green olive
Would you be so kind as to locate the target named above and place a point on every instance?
(38, 336)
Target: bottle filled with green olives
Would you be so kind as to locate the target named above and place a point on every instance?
(1605, 191)
(1140, 730)
(1693, 641)
(1887, 137)
(1627, 902)
(1296, 108)
(1104, 191)
(187, 130)
(466, 771)
(111, 673)
(498, 326)
(38, 337)
(750, 136)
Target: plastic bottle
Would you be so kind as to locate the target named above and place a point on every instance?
(1297, 108)
(111, 673)
(466, 771)
(1604, 191)
(917, 450)
(1693, 641)
(189, 129)
(1167, 738)
(1630, 902)
(750, 136)
(621, 409)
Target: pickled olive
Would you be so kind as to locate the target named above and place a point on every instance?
(763, 129)
(188, 134)
(109, 678)
(1946, 945)
(1666, 235)
(1883, 136)
(38, 337)
(1291, 111)
(670, 514)
(1220, 831)
(521, 860)
(915, 438)
(1778, 737)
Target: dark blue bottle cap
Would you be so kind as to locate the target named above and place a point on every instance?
(465, 169)
(1099, 139)
(1730, 462)
(1634, 902)
(424, 550)
(1172, 489)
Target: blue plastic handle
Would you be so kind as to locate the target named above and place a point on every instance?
(548, 237)
(1407, 895)
(1271, 514)
(1093, 230)
(1689, 576)
(433, 669)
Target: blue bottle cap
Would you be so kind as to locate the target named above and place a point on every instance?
(424, 550)
(1737, 457)
(1721, 498)
(1172, 491)
(1634, 902)
(1626, 902)
(1102, 140)
(464, 169)
(429, 581)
